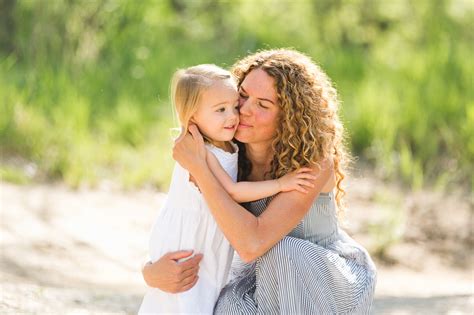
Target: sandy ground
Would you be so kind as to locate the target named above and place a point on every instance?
(79, 252)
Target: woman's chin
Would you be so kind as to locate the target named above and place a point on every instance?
(241, 136)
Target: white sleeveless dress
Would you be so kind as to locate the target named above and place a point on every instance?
(185, 222)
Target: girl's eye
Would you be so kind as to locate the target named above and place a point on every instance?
(221, 110)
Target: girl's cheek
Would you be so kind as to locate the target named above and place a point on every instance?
(236, 114)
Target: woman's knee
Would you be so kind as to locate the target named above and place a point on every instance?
(285, 249)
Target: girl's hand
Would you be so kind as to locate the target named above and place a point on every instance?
(189, 150)
(169, 275)
(297, 180)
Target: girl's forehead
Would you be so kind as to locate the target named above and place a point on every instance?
(223, 87)
(220, 92)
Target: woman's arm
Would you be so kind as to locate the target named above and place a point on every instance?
(250, 236)
(169, 275)
(249, 191)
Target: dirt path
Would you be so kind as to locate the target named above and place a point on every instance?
(70, 252)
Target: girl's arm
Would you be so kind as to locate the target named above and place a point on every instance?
(249, 191)
(250, 236)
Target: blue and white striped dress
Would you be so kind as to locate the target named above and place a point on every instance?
(316, 269)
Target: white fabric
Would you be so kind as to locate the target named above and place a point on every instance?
(183, 223)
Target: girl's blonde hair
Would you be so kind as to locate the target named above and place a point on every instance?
(310, 130)
(187, 86)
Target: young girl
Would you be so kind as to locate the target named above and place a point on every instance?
(205, 95)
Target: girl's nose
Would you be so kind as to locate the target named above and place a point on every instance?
(233, 115)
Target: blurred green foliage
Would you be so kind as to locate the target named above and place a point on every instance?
(84, 84)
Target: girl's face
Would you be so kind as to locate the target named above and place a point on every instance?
(258, 108)
(218, 111)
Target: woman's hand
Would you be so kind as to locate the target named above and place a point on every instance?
(296, 180)
(170, 275)
(189, 150)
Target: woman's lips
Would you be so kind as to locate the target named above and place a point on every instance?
(243, 125)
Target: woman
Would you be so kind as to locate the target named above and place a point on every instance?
(298, 261)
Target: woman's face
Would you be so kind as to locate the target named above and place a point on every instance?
(258, 108)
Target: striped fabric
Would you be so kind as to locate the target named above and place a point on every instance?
(316, 269)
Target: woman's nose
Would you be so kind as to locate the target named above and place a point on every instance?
(244, 108)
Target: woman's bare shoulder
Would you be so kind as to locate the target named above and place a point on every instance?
(328, 164)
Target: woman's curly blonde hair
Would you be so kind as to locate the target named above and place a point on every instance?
(310, 129)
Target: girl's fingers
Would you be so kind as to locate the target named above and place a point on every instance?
(306, 176)
(301, 189)
(305, 183)
(304, 170)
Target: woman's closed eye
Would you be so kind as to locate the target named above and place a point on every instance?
(243, 95)
(262, 106)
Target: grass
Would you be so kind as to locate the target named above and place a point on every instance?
(70, 137)
(14, 175)
(93, 105)
(390, 227)
(73, 142)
